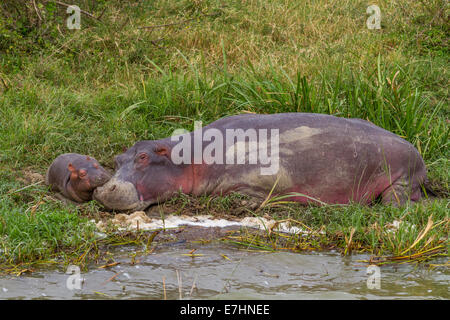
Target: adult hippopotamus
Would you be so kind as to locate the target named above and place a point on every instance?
(76, 176)
(311, 157)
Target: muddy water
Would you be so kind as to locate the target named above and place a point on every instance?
(223, 272)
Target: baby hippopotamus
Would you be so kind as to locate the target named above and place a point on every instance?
(76, 176)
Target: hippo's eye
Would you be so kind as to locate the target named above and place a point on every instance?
(142, 156)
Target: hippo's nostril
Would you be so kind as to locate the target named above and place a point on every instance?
(112, 188)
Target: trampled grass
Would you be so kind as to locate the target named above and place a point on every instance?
(146, 68)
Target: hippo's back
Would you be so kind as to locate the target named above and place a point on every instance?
(287, 121)
(330, 157)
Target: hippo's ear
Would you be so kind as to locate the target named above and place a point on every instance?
(162, 150)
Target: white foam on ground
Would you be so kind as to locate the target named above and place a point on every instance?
(396, 224)
(140, 220)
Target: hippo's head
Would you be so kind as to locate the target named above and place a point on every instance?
(85, 176)
(145, 175)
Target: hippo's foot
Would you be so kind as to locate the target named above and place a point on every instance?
(400, 192)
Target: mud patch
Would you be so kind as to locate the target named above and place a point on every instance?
(194, 234)
(196, 228)
(203, 217)
(231, 207)
(29, 177)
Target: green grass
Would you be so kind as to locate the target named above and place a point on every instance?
(33, 229)
(38, 230)
(112, 83)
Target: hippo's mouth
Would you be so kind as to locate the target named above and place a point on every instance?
(120, 195)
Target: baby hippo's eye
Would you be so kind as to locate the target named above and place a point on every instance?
(82, 173)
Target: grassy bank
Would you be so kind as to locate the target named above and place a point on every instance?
(146, 68)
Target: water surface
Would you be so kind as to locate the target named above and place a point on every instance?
(225, 272)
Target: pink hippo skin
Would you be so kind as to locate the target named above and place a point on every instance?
(76, 176)
(322, 158)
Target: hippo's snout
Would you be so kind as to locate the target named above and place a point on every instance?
(119, 195)
(101, 179)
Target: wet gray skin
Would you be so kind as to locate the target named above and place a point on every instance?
(144, 176)
(328, 159)
(76, 176)
(119, 195)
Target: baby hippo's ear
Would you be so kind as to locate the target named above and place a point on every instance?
(73, 171)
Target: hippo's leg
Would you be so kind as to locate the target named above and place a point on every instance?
(400, 192)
